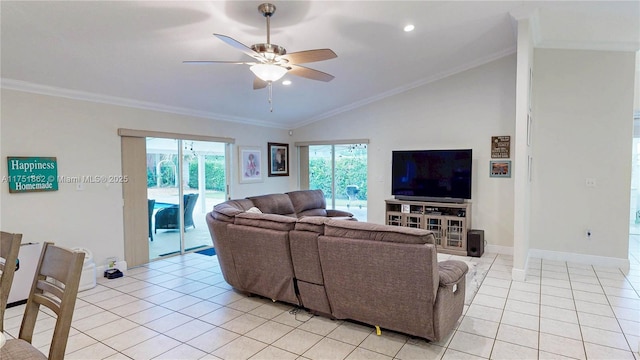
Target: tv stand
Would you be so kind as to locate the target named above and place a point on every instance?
(448, 221)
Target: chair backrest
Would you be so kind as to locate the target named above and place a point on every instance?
(9, 248)
(55, 286)
(189, 203)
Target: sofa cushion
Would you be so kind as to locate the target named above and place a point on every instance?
(312, 223)
(274, 204)
(227, 210)
(451, 272)
(369, 231)
(308, 202)
(334, 213)
(266, 221)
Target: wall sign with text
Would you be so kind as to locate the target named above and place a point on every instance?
(500, 147)
(27, 174)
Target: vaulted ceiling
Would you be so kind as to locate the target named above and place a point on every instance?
(132, 52)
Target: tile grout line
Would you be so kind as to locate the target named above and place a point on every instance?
(606, 296)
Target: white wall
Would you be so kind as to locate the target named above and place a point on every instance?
(461, 111)
(636, 98)
(83, 137)
(582, 106)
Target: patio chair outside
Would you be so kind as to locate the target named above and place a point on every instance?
(167, 218)
(151, 204)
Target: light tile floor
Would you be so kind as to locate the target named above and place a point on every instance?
(181, 308)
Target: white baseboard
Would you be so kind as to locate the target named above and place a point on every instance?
(593, 260)
(499, 249)
(516, 274)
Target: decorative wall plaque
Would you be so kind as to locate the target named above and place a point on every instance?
(500, 147)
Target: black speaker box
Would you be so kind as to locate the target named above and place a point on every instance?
(475, 243)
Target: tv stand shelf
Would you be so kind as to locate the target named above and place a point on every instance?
(448, 221)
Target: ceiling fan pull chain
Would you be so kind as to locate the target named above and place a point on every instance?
(270, 96)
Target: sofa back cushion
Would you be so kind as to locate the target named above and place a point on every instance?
(308, 203)
(370, 231)
(266, 221)
(262, 261)
(227, 210)
(312, 223)
(389, 284)
(274, 204)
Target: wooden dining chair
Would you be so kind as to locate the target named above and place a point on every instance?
(9, 248)
(65, 267)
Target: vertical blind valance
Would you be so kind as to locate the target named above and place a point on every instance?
(331, 142)
(169, 135)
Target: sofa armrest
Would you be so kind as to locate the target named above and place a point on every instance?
(451, 272)
(338, 213)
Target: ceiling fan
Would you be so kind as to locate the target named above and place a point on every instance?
(271, 61)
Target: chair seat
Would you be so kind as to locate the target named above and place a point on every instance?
(20, 349)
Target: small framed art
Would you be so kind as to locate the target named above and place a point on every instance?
(250, 164)
(278, 159)
(500, 168)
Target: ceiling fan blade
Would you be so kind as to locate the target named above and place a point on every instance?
(259, 83)
(308, 73)
(240, 46)
(308, 56)
(218, 62)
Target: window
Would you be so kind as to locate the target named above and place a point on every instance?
(340, 171)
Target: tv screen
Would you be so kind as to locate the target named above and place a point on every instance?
(431, 174)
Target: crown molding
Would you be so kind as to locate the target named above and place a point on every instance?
(18, 85)
(631, 46)
(24, 86)
(410, 86)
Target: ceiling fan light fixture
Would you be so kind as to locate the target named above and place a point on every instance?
(268, 72)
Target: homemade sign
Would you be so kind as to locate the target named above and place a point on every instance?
(27, 174)
(500, 147)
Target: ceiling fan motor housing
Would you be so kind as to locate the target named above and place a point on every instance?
(270, 51)
(267, 9)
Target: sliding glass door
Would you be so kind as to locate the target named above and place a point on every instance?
(340, 171)
(163, 195)
(185, 179)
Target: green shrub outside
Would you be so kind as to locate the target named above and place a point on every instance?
(151, 178)
(214, 173)
(349, 171)
(167, 174)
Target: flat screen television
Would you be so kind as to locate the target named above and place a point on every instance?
(437, 175)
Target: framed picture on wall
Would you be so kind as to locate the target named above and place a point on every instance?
(250, 164)
(278, 159)
(500, 168)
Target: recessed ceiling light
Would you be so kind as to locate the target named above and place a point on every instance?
(409, 27)
(286, 82)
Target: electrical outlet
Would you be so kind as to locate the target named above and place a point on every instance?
(590, 182)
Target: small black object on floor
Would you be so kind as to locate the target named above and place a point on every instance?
(112, 273)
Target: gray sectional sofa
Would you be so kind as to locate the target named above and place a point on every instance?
(290, 248)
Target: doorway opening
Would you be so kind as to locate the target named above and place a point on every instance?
(185, 179)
